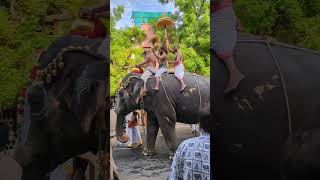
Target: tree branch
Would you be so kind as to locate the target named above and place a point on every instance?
(12, 10)
(65, 15)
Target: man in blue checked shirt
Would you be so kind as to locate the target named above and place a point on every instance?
(192, 158)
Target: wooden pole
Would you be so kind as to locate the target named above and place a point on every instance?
(166, 42)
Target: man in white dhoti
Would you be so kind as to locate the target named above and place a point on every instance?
(162, 58)
(178, 67)
(132, 130)
(194, 129)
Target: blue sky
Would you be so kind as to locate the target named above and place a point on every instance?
(138, 5)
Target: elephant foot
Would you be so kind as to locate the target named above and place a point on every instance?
(149, 151)
(171, 155)
(136, 145)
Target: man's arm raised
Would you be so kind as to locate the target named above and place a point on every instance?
(143, 63)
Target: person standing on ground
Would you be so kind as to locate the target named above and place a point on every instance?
(224, 33)
(194, 129)
(132, 130)
(192, 158)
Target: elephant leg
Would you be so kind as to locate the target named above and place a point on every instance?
(79, 168)
(167, 126)
(33, 172)
(152, 132)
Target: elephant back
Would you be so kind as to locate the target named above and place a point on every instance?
(256, 116)
(191, 101)
(86, 44)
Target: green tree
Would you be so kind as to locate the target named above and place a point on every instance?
(22, 32)
(292, 21)
(192, 33)
(125, 49)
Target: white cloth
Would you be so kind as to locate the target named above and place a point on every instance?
(223, 32)
(148, 72)
(133, 133)
(179, 71)
(160, 71)
(192, 159)
(193, 127)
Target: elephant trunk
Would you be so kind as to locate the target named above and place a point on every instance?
(31, 168)
(121, 136)
(22, 155)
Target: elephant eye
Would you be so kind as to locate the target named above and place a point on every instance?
(120, 94)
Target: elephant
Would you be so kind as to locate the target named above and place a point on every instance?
(7, 128)
(164, 107)
(301, 156)
(63, 107)
(277, 100)
(4, 131)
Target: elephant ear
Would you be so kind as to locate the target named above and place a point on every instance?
(90, 93)
(137, 91)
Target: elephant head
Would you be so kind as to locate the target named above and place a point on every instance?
(60, 116)
(127, 99)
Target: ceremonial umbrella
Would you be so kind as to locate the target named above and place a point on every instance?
(165, 22)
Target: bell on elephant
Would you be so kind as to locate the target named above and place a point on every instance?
(44, 71)
(61, 65)
(49, 78)
(54, 72)
(40, 83)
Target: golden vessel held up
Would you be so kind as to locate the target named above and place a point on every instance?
(166, 22)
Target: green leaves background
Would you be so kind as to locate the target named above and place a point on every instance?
(192, 34)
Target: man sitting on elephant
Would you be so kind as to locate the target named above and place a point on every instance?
(99, 31)
(224, 37)
(150, 62)
(162, 58)
(178, 67)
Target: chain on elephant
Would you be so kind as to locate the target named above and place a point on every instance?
(149, 151)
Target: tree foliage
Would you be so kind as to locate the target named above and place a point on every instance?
(295, 22)
(192, 34)
(21, 33)
(125, 49)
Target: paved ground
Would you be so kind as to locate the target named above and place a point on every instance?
(132, 165)
(9, 169)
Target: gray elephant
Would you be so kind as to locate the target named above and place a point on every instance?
(63, 107)
(277, 101)
(164, 108)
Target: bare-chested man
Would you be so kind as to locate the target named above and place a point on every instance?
(162, 59)
(150, 62)
(178, 67)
